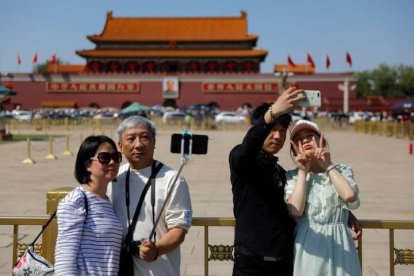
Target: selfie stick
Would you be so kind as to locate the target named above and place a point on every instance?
(184, 159)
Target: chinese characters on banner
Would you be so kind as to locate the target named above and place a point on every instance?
(239, 87)
(75, 87)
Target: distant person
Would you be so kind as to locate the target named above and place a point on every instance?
(320, 196)
(161, 256)
(89, 232)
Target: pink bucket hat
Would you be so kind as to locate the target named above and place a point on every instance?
(302, 125)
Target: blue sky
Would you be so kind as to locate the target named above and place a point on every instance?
(372, 31)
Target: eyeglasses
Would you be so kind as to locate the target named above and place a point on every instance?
(105, 157)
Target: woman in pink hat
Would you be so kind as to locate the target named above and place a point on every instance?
(320, 196)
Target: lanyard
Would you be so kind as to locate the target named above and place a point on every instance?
(131, 226)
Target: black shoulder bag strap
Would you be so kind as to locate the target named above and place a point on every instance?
(44, 227)
(54, 214)
(153, 206)
(131, 227)
(86, 204)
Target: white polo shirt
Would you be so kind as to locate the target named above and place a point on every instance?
(177, 213)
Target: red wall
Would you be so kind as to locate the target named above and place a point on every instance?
(31, 90)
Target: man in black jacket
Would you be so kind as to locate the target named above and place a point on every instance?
(264, 229)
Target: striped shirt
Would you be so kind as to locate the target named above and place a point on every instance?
(91, 246)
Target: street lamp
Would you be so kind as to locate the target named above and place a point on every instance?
(346, 87)
(283, 80)
(2, 74)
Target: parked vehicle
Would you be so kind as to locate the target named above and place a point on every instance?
(229, 117)
(296, 116)
(106, 115)
(173, 116)
(22, 115)
(358, 116)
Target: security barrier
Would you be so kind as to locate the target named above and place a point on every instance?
(393, 128)
(386, 128)
(211, 252)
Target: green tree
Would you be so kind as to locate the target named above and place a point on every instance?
(385, 81)
(363, 83)
(406, 81)
(390, 82)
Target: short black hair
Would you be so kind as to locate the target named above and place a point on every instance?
(260, 111)
(86, 151)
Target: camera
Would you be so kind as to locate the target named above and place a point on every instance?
(199, 143)
(132, 248)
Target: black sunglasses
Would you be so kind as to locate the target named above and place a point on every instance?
(105, 157)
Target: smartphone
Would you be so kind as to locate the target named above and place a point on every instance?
(199, 143)
(313, 98)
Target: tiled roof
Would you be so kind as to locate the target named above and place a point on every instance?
(299, 68)
(174, 28)
(65, 68)
(171, 53)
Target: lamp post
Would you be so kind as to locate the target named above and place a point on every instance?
(283, 80)
(346, 87)
(2, 74)
(4, 135)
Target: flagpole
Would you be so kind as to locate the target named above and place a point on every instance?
(307, 63)
(19, 61)
(54, 58)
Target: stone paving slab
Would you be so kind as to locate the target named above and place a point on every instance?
(383, 168)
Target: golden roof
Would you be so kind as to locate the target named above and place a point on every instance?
(174, 29)
(64, 68)
(171, 53)
(299, 68)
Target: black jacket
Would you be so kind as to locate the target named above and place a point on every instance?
(263, 224)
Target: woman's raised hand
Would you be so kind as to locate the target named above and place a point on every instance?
(322, 153)
(302, 159)
(286, 101)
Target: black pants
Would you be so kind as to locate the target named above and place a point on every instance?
(254, 265)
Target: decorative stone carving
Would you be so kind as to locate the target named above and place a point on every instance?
(221, 252)
(404, 256)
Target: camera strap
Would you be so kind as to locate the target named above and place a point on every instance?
(131, 226)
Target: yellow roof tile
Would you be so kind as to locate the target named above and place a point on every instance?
(174, 28)
(65, 68)
(299, 68)
(171, 53)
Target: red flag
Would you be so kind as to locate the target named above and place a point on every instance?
(290, 62)
(348, 59)
(310, 61)
(34, 59)
(328, 62)
(19, 60)
(53, 59)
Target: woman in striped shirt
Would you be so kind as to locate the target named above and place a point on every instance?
(89, 232)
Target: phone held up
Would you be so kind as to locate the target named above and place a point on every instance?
(313, 98)
(198, 143)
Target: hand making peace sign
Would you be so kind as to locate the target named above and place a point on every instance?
(302, 159)
(322, 153)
